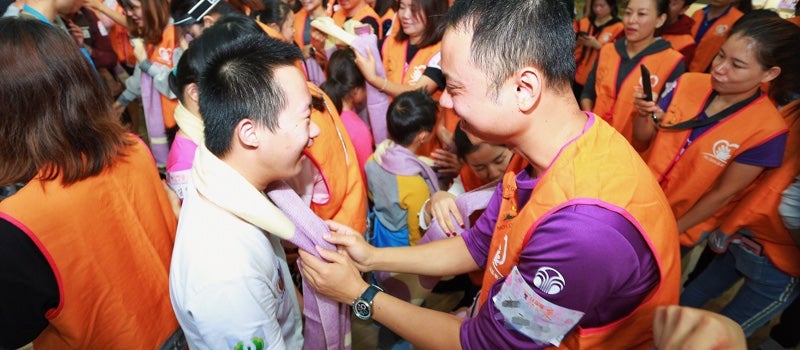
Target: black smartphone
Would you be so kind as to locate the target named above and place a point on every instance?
(648, 89)
(581, 33)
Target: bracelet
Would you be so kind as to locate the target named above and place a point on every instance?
(385, 82)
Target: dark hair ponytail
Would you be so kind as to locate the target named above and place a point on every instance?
(343, 76)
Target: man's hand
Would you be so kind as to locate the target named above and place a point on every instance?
(679, 327)
(338, 279)
(353, 243)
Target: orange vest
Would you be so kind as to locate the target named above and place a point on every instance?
(585, 56)
(300, 27)
(162, 54)
(365, 11)
(334, 155)
(398, 71)
(108, 240)
(386, 22)
(708, 46)
(121, 42)
(758, 211)
(679, 42)
(616, 107)
(795, 20)
(599, 168)
(687, 175)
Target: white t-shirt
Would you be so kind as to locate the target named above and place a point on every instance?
(229, 282)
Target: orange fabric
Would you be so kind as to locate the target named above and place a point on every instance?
(683, 43)
(162, 54)
(795, 20)
(585, 63)
(300, 27)
(686, 177)
(708, 46)
(109, 244)
(624, 186)
(616, 107)
(387, 19)
(758, 210)
(271, 32)
(365, 11)
(334, 155)
(121, 42)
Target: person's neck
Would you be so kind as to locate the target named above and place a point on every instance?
(635, 48)
(316, 13)
(413, 147)
(46, 11)
(715, 12)
(415, 40)
(557, 121)
(602, 20)
(244, 166)
(727, 100)
(347, 105)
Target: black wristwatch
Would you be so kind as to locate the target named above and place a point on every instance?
(362, 306)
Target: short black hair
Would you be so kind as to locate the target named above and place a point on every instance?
(193, 60)
(511, 34)
(239, 82)
(409, 114)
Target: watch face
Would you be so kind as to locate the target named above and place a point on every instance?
(362, 309)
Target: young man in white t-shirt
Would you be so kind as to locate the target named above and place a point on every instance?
(229, 281)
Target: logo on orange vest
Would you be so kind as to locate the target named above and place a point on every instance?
(499, 258)
(165, 55)
(605, 37)
(416, 73)
(722, 29)
(653, 80)
(549, 280)
(722, 151)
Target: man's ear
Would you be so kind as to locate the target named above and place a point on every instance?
(193, 92)
(246, 132)
(529, 88)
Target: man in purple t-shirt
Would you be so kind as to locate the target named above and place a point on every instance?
(508, 70)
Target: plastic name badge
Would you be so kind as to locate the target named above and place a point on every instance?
(532, 315)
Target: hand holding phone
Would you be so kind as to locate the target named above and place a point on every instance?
(648, 89)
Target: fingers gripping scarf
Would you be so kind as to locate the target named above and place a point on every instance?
(327, 323)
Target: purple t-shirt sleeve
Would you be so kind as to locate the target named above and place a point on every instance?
(607, 271)
(769, 154)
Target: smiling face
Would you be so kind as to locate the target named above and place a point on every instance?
(135, 12)
(412, 19)
(736, 69)
(469, 92)
(641, 20)
(283, 148)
